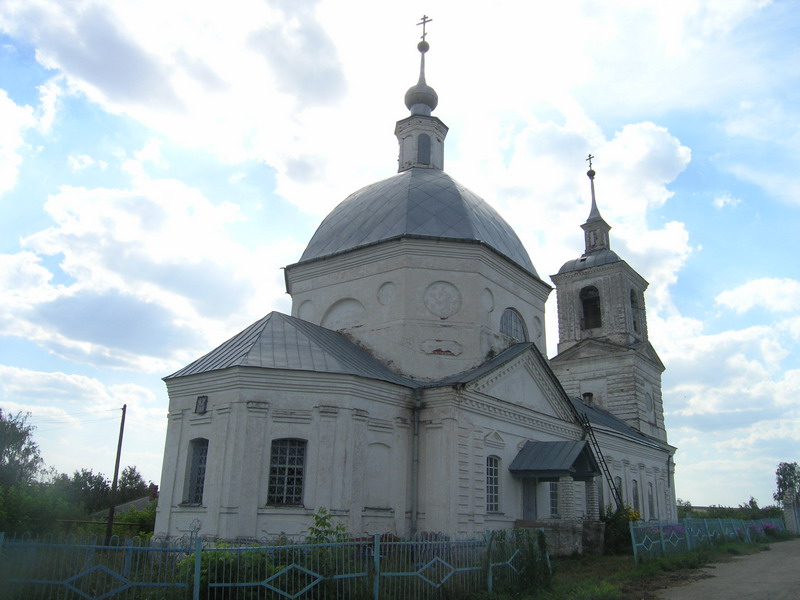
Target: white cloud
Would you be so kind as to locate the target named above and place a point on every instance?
(772, 294)
(14, 120)
(724, 200)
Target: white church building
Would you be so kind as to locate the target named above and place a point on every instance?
(409, 391)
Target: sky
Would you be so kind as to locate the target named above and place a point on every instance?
(160, 162)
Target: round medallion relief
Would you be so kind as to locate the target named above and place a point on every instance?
(443, 299)
(537, 327)
(487, 300)
(386, 293)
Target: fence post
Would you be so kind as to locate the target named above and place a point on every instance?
(198, 549)
(490, 571)
(376, 566)
(633, 543)
(661, 535)
(687, 531)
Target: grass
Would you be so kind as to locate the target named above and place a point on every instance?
(616, 577)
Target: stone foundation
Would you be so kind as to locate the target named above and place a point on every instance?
(565, 538)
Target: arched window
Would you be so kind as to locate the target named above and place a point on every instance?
(635, 494)
(287, 466)
(618, 485)
(424, 149)
(492, 484)
(651, 505)
(196, 475)
(590, 300)
(513, 325)
(635, 311)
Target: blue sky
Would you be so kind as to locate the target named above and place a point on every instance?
(160, 163)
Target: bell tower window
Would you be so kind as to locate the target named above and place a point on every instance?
(635, 311)
(590, 301)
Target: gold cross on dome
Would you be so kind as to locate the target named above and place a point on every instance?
(424, 22)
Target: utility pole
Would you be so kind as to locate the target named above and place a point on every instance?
(113, 498)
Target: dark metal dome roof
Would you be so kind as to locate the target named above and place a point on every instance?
(421, 203)
(593, 259)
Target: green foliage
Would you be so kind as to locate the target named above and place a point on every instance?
(787, 482)
(617, 533)
(747, 511)
(34, 508)
(684, 509)
(225, 564)
(533, 564)
(323, 531)
(131, 485)
(20, 460)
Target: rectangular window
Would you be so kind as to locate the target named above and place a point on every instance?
(198, 455)
(492, 484)
(554, 499)
(286, 472)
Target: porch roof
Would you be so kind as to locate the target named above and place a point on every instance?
(554, 459)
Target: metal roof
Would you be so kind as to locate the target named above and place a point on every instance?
(601, 418)
(279, 341)
(593, 259)
(554, 459)
(422, 203)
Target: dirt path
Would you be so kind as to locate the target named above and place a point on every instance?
(769, 575)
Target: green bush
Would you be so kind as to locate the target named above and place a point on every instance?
(617, 533)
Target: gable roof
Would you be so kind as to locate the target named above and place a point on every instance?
(279, 341)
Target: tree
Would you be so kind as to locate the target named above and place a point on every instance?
(20, 460)
(787, 481)
(131, 485)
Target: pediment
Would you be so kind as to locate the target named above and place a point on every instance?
(528, 382)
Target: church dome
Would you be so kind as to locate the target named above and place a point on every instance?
(416, 203)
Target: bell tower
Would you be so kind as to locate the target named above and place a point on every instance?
(604, 354)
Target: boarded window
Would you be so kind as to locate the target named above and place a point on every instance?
(195, 482)
(424, 149)
(590, 300)
(286, 471)
(492, 484)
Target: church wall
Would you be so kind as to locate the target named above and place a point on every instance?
(443, 300)
(343, 419)
(620, 383)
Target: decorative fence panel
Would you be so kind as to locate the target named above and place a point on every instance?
(363, 569)
(652, 539)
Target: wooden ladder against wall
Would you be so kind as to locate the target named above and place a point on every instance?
(598, 454)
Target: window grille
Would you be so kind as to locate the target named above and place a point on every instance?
(492, 484)
(513, 325)
(553, 499)
(286, 472)
(198, 450)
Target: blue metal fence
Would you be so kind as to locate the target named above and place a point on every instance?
(370, 568)
(652, 539)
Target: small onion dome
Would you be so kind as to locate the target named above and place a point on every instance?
(421, 99)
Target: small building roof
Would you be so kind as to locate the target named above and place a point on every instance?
(554, 459)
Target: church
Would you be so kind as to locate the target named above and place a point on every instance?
(409, 390)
